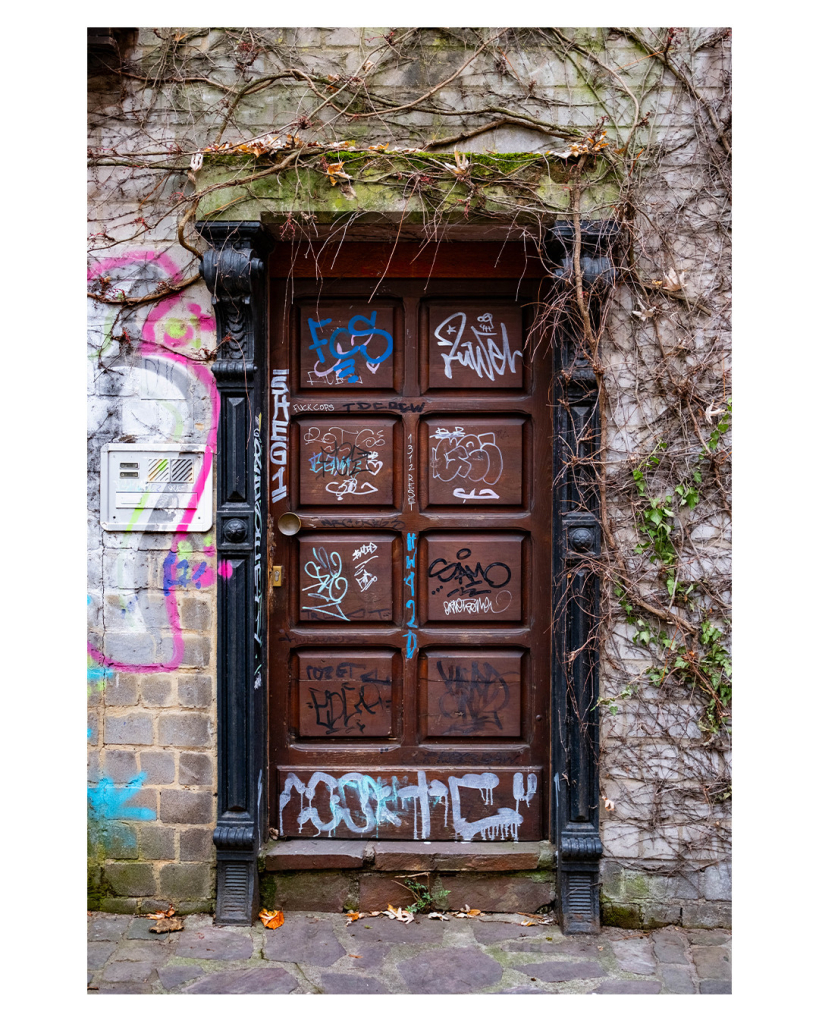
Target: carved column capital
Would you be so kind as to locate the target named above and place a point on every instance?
(233, 270)
(596, 241)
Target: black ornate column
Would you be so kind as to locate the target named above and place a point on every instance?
(234, 273)
(576, 596)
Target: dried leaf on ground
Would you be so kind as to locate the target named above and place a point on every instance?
(168, 924)
(163, 913)
(441, 917)
(467, 911)
(271, 918)
(397, 914)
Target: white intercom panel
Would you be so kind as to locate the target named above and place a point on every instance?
(159, 488)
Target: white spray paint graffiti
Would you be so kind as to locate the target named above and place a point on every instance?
(472, 457)
(410, 474)
(279, 420)
(383, 803)
(363, 577)
(257, 550)
(330, 586)
(487, 358)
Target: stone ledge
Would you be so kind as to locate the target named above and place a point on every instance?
(323, 854)
(455, 856)
(314, 854)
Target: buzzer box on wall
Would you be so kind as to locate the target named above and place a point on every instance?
(161, 487)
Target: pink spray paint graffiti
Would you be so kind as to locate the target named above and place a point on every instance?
(173, 323)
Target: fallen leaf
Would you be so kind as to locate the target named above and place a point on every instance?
(355, 956)
(436, 915)
(461, 167)
(163, 913)
(397, 914)
(272, 919)
(168, 924)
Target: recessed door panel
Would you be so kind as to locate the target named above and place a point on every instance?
(472, 577)
(346, 578)
(474, 461)
(347, 693)
(475, 344)
(346, 461)
(347, 346)
(471, 692)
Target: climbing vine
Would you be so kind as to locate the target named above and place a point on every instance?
(626, 124)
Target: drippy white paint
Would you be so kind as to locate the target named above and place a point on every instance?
(381, 802)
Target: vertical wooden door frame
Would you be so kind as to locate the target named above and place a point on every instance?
(234, 271)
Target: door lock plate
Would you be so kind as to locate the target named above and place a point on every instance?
(276, 575)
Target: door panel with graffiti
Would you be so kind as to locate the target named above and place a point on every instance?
(409, 636)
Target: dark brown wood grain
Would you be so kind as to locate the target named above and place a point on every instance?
(457, 613)
(332, 261)
(475, 345)
(346, 693)
(346, 579)
(350, 345)
(466, 693)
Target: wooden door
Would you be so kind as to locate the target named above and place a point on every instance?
(409, 640)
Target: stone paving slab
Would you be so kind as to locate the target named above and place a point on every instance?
(321, 954)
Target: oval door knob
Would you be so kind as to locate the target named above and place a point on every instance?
(289, 524)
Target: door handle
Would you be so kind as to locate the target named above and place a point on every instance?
(289, 524)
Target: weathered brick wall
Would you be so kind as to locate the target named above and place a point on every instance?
(151, 597)
(151, 697)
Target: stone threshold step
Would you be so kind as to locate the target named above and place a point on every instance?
(324, 854)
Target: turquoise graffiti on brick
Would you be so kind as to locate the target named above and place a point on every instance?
(107, 801)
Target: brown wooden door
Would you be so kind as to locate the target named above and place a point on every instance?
(409, 640)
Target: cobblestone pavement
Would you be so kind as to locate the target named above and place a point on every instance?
(320, 954)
